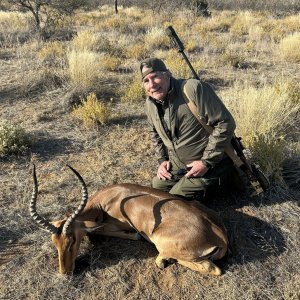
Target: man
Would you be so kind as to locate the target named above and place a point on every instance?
(190, 160)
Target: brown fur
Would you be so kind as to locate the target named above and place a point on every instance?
(184, 231)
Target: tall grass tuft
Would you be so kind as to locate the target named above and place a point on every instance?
(92, 111)
(14, 22)
(136, 51)
(52, 53)
(110, 62)
(289, 48)
(264, 117)
(86, 40)
(14, 28)
(156, 38)
(83, 68)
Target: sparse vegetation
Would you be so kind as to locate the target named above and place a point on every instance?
(92, 112)
(83, 68)
(289, 47)
(250, 57)
(266, 136)
(86, 40)
(132, 91)
(13, 139)
(46, 14)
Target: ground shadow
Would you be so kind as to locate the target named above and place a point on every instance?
(229, 195)
(9, 94)
(126, 120)
(10, 245)
(109, 251)
(47, 146)
(251, 239)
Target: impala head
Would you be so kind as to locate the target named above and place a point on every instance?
(68, 233)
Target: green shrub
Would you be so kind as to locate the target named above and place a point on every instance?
(92, 112)
(13, 140)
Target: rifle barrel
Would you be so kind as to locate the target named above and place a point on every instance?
(180, 47)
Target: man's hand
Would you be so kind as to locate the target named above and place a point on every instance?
(162, 172)
(198, 169)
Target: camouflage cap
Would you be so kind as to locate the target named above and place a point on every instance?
(153, 65)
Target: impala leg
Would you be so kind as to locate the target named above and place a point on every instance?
(162, 261)
(204, 266)
(122, 234)
(114, 231)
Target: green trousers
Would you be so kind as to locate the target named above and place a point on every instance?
(196, 187)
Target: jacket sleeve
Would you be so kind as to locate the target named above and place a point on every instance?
(214, 112)
(161, 151)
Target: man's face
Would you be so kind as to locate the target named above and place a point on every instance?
(157, 84)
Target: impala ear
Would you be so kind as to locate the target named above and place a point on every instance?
(90, 226)
(57, 223)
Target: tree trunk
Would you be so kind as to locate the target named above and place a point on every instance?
(116, 6)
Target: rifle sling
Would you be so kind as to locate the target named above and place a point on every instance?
(193, 108)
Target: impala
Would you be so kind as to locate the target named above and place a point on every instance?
(182, 231)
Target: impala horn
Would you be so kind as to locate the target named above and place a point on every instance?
(82, 204)
(43, 223)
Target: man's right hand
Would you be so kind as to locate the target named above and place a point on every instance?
(163, 171)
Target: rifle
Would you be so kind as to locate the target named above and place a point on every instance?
(252, 171)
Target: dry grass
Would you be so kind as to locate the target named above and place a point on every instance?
(83, 68)
(265, 136)
(289, 48)
(52, 53)
(92, 112)
(86, 40)
(14, 28)
(132, 91)
(34, 81)
(155, 38)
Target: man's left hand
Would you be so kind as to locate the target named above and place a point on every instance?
(198, 169)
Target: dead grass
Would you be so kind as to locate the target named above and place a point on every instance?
(83, 68)
(264, 233)
(289, 48)
(92, 111)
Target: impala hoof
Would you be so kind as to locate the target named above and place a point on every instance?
(163, 264)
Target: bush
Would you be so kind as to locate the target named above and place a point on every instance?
(13, 140)
(132, 92)
(265, 117)
(156, 38)
(91, 111)
(52, 53)
(83, 68)
(86, 40)
(110, 63)
(289, 48)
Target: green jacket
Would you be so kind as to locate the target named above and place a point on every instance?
(183, 138)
